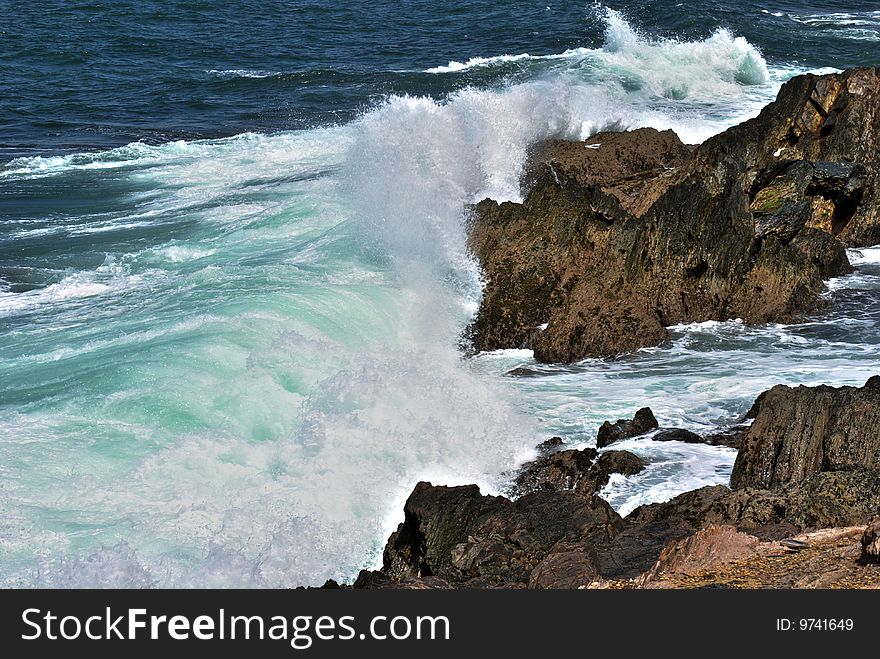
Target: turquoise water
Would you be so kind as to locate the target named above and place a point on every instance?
(226, 361)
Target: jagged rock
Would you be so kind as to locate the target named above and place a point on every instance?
(677, 435)
(833, 122)
(871, 542)
(372, 580)
(551, 445)
(557, 471)
(609, 462)
(468, 539)
(567, 565)
(801, 431)
(613, 244)
(633, 166)
(826, 500)
(732, 436)
(640, 424)
(706, 549)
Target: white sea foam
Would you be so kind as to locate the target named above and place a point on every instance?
(672, 468)
(666, 68)
(242, 73)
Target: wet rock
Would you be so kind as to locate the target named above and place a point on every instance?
(826, 500)
(643, 422)
(871, 542)
(732, 436)
(627, 234)
(798, 432)
(551, 445)
(557, 471)
(467, 539)
(522, 372)
(632, 166)
(677, 435)
(608, 463)
(372, 580)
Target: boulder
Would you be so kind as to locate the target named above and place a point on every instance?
(608, 463)
(567, 565)
(677, 435)
(707, 549)
(643, 422)
(551, 445)
(557, 471)
(800, 431)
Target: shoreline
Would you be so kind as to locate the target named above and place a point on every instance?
(802, 204)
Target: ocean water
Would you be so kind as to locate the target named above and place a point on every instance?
(233, 272)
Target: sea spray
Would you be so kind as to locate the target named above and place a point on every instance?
(238, 355)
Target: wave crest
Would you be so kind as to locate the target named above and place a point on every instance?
(666, 68)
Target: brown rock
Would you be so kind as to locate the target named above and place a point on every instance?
(633, 166)
(467, 539)
(613, 244)
(609, 462)
(643, 422)
(567, 565)
(704, 550)
(801, 431)
(557, 471)
(677, 435)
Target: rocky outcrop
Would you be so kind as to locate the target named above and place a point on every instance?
(643, 422)
(706, 549)
(832, 499)
(457, 537)
(558, 471)
(626, 234)
(466, 539)
(798, 432)
(809, 462)
(608, 463)
(721, 557)
(677, 435)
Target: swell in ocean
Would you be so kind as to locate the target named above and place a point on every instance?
(227, 362)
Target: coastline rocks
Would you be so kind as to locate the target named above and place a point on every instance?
(677, 435)
(578, 470)
(798, 432)
(871, 542)
(809, 461)
(626, 234)
(557, 471)
(467, 539)
(608, 463)
(643, 422)
(827, 500)
(719, 557)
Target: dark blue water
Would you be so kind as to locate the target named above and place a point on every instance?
(82, 75)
